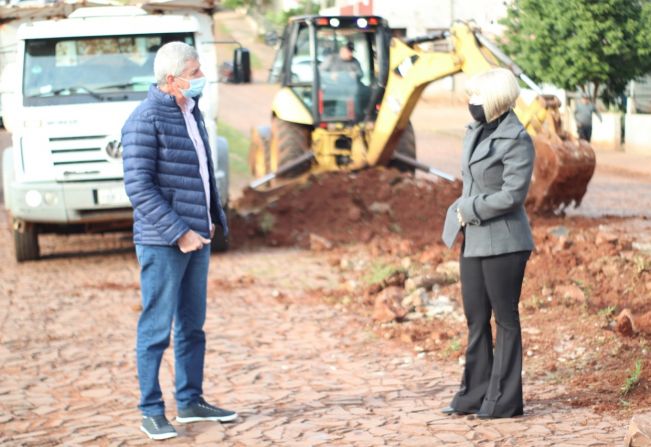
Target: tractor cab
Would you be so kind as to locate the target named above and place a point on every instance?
(336, 66)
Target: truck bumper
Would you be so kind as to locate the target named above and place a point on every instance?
(64, 203)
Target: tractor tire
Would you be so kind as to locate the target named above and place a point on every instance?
(219, 243)
(26, 241)
(289, 141)
(407, 147)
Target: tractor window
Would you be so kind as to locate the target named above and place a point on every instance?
(347, 61)
(302, 69)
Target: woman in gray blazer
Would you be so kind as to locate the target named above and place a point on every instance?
(496, 168)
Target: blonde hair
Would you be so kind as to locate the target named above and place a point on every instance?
(498, 89)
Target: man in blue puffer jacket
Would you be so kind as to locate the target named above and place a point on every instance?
(170, 181)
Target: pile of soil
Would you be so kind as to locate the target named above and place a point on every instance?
(339, 208)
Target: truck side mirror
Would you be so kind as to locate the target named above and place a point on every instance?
(241, 65)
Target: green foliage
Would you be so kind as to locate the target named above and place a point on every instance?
(233, 4)
(633, 379)
(595, 46)
(380, 271)
(607, 311)
(453, 347)
(238, 148)
(280, 18)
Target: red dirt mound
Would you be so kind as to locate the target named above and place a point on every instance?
(339, 208)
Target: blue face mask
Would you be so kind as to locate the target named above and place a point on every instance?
(196, 87)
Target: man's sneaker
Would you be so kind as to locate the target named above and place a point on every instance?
(157, 427)
(203, 411)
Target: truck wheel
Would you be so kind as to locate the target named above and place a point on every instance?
(289, 141)
(26, 241)
(407, 147)
(219, 243)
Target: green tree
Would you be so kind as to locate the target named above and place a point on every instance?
(305, 7)
(596, 46)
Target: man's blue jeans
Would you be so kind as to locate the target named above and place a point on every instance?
(173, 287)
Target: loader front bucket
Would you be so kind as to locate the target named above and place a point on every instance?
(563, 166)
(562, 171)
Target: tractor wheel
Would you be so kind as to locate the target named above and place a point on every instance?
(289, 141)
(407, 147)
(26, 241)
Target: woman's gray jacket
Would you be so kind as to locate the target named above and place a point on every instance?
(496, 177)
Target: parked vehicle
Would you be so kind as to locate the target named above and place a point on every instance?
(68, 87)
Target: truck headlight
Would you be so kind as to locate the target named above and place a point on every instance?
(33, 198)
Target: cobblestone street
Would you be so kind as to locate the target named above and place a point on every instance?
(299, 372)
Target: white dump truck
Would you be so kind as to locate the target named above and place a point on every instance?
(68, 84)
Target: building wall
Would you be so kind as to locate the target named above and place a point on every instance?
(420, 16)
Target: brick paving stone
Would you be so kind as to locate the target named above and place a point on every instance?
(459, 427)
(97, 392)
(211, 433)
(419, 441)
(380, 432)
(6, 418)
(449, 438)
(249, 423)
(538, 430)
(276, 434)
(42, 411)
(319, 438)
(418, 418)
(487, 433)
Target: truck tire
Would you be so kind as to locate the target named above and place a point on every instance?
(219, 243)
(289, 141)
(407, 147)
(26, 241)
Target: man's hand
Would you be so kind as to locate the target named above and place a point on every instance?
(192, 241)
(212, 231)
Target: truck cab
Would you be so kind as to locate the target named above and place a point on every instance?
(75, 81)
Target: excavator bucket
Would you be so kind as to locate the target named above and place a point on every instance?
(563, 167)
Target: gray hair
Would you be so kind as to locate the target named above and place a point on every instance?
(498, 88)
(171, 59)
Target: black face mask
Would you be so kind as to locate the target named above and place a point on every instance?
(477, 112)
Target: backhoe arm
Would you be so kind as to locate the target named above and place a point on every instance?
(410, 71)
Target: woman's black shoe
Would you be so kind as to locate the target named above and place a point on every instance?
(449, 411)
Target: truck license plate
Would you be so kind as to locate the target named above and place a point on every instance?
(112, 196)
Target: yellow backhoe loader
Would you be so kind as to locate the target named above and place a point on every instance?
(357, 115)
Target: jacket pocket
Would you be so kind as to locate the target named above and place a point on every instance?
(500, 231)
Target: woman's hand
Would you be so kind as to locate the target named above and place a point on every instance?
(460, 219)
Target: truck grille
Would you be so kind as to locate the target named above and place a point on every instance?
(78, 150)
(83, 158)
